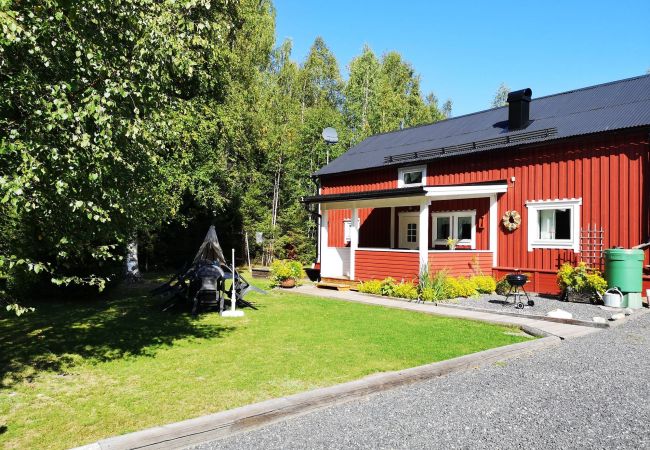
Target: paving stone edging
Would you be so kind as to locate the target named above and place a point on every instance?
(249, 417)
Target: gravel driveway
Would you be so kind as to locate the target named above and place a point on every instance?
(591, 392)
(582, 311)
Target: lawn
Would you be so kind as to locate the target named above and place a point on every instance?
(75, 372)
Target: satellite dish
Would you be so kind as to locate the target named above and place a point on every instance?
(330, 135)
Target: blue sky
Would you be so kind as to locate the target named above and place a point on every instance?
(463, 50)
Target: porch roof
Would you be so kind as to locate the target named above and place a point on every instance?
(410, 196)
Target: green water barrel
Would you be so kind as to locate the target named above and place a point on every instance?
(624, 269)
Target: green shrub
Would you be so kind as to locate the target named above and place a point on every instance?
(370, 287)
(502, 286)
(485, 284)
(451, 288)
(285, 269)
(459, 287)
(467, 287)
(435, 289)
(406, 290)
(580, 278)
(388, 287)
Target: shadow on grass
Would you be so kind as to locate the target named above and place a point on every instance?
(60, 334)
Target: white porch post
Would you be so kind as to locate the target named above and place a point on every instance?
(423, 234)
(322, 237)
(354, 240)
(494, 224)
(392, 227)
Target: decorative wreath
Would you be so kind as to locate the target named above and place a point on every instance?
(511, 220)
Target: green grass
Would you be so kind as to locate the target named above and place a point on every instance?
(75, 372)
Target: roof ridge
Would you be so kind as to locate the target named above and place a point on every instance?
(499, 107)
(586, 88)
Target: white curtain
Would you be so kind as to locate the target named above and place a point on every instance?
(547, 224)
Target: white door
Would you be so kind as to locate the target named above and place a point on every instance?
(408, 231)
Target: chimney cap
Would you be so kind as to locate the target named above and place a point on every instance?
(521, 95)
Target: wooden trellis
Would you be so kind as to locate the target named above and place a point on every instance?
(591, 246)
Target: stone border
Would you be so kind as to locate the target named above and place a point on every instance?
(249, 417)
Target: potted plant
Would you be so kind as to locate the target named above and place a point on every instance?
(581, 283)
(451, 243)
(285, 273)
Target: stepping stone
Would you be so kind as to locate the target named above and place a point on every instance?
(559, 314)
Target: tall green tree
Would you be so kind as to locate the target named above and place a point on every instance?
(98, 102)
(501, 96)
(361, 93)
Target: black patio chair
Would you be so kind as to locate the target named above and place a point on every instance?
(210, 291)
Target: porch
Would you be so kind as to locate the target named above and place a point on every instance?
(395, 233)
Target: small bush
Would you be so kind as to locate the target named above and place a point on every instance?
(370, 287)
(388, 287)
(581, 278)
(406, 290)
(459, 287)
(467, 288)
(484, 284)
(502, 286)
(285, 269)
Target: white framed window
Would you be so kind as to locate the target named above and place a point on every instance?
(554, 224)
(412, 176)
(459, 225)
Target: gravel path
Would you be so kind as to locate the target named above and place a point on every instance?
(582, 311)
(591, 392)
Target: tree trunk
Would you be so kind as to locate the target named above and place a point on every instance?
(132, 268)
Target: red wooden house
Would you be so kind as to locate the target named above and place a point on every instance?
(573, 166)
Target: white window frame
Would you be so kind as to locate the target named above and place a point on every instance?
(403, 170)
(453, 221)
(534, 207)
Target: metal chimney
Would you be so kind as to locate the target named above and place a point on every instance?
(519, 108)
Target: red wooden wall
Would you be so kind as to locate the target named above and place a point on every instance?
(607, 171)
(377, 265)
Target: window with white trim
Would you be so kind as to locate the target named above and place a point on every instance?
(412, 176)
(412, 232)
(554, 224)
(460, 225)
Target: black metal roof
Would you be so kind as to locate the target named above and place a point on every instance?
(604, 107)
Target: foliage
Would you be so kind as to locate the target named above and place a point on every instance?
(501, 96)
(122, 120)
(580, 278)
(432, 288)
(451, 242)
(485, 284)
(370, 287)
(459, 287)
(388, 287)
(406, 289)
(502, 286)
(107, 110)
(282, 270)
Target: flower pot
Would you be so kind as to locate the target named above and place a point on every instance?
(288, 283)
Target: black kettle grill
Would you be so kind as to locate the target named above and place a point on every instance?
(517, 282)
